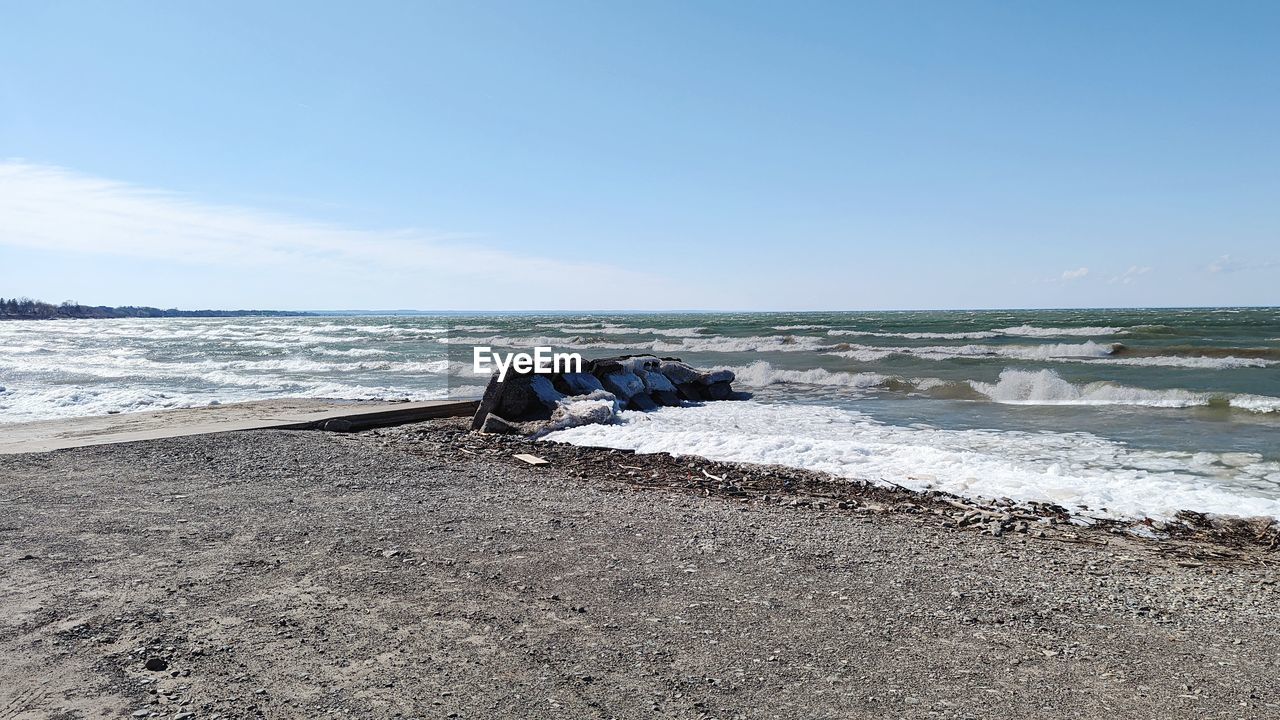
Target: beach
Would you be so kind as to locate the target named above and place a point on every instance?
(423, 571)
(1131, 413)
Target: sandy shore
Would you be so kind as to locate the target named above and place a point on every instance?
(281, 413)
(424, 572)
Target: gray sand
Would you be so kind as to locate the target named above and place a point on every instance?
(426, 573)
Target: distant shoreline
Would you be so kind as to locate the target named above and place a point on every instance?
(28, 309)
(173, 314)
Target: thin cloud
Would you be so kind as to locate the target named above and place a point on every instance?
(1128, 276)
(1076, 274)
(1224, 264)
(55, 209)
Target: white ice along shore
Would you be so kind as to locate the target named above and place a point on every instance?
(1090, 475)
(543, 361)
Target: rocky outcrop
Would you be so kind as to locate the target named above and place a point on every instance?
(540, 403)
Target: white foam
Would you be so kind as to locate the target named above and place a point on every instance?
(1034, 331)
(1067, 468)
(1018, 331)
(1089, 349)
(763, 374)
(584, 324)
(1071, 352)
(1256, 403)
(1206, 363)
(768, 343)
(1045, 387)
(664, 332)
(972, 335)
(867, 353)
(354, 352)
(50, 403)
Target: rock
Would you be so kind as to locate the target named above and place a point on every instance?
(640, 364)
(141, 713)
(546, 393)
(718, 376)
(655, 381)
(719, 391)
(156, 664)
(637, 382)
(660, 388)
(624, 385)
(596, 408)
(531, 397)
(514, 398)
(691, 391)
(390, 553)
(488, 402)
(581, 383)
(669, 398)
(641, 401)
(605, 366)
(494, 424)
(336, 425)
(678, 372)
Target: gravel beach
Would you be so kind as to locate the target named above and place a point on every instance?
(425, 572)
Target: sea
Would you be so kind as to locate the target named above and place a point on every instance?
(1111, 413)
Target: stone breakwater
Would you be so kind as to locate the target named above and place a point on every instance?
(538, 403)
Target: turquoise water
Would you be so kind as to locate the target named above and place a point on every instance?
(1198, 389)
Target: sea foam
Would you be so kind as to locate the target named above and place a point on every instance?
(1072, 469)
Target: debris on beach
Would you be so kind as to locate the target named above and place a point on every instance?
(536, 404)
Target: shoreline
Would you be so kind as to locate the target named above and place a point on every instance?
(1190, 534)
(1233, 533)
(423, 570)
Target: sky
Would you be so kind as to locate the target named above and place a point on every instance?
(656, 155)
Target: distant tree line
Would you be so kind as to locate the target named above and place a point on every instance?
(27, 309)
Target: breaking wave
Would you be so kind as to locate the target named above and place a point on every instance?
(1045, 387)
(974, 335)
(1018, 331)
(1034, 331)
(1058, 351)
(1014, 387)
(763, 374)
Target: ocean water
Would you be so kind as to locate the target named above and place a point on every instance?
(1126, 412)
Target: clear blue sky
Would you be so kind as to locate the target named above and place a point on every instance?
(640, 155)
